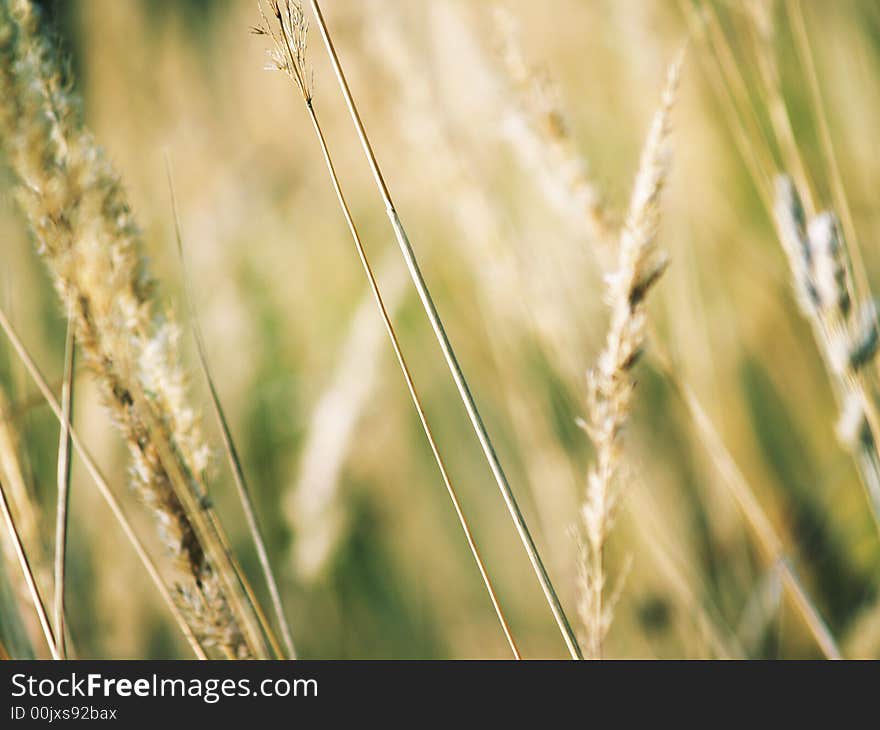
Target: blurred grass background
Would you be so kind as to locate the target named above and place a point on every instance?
(371, 557)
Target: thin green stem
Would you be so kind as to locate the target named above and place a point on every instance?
(374, 287)
(235, 465)
(467, 398)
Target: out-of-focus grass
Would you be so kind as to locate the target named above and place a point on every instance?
(277, 284)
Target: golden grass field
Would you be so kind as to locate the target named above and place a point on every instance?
(618, 210)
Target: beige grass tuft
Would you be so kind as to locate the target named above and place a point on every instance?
(85, 232)
(610, 384)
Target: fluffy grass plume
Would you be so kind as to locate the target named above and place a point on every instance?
(846, 331)
(85, 231)
(610, 384)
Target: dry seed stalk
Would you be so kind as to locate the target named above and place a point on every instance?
(235, 464)
(26, 514)
(610, 383)
(81, 221)
(765, 535)
(288, 34)
(100, 482)
(754, 146)
(39, 606)
(845, 331)
(63, 497)
(455, 370)
(795, 14)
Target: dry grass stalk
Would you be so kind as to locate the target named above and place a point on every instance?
(288, 34)
(85, 231)
(27, 517)
(610, 384)
(724, 74)
(101, 483)
(63, 496)
(845, 330)
(22, 500)
(790, 205)
(763, 28)
(539, 134)
(27, 573)
(731, 91)
(795, 12)
(235, 465)
(455, 370)
(39, 607)
(767, 539)
(506, 286)
(756, 150)
(742, 110)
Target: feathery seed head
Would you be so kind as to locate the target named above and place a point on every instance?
(84, 229)
(610, 383)
(817, 256)
(640, 263)
(289, 33)
(828, 267)
(845, 331)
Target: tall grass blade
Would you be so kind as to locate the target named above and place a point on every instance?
(461, 384)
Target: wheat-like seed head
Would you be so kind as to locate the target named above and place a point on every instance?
(846, 332)
(86, 233)
(610, 384)
(289, 34)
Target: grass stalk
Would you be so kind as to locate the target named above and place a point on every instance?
(640, 264)
(766, 538)
(229, 447)
(63, 496)
(82, 224)
(852, 386)
(461, 384)
(795, 12)
(845, 329)
(101, 483)
(28, 574)
(730, 90)
(290, 57)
